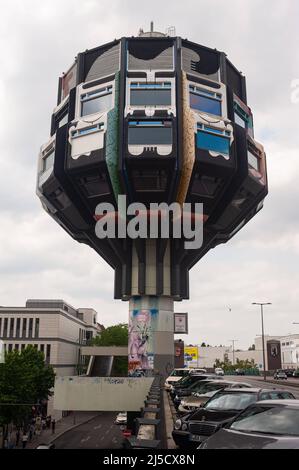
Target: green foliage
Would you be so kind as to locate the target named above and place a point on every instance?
(24, 378)
(116, 335)
(228, 367)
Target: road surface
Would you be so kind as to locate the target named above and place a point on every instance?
(99, 433)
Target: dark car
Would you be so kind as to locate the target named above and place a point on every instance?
(270, 424)
(296, 374)
(187, 382)
(280, 375)
(218, 411)
(240, 372)
(198, 387)
(289, 372)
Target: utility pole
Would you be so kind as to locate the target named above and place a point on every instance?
(263, 335)
(233, 343)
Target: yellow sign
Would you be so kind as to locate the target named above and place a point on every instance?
(191, 355)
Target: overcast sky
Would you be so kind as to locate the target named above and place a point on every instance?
(38, 41)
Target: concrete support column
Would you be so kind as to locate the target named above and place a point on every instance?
(151, 336)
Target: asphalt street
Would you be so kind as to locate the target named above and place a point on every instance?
(258, 382)
(99, 433)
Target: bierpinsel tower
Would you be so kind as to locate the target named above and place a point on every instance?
(158, 119)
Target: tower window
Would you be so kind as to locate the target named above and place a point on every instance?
(150, 94)
(242, 118)
(48, 160)
(150, 133)
(253, 160)
(214, 140)
(87, 130)
(205, 100)
(97, 101)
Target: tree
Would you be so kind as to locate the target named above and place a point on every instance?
(115, 335)
(25, 380)
(251, 348)
(203, 345)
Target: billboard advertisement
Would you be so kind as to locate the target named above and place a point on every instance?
(191, 356)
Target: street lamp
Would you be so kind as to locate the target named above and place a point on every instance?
(233, 342)
(263, 335)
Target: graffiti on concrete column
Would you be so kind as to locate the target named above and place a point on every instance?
(141, 339)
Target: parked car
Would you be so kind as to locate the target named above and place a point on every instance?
(121, 418)
(175, 376)
(206, 391)
(186, 382)
(240, 372)
(178, 393)
(272, 424)
(280, 375)
(296, 373)
(289, 372)
(218, 411)
(194, 370)
(46, 446)
(219, 371)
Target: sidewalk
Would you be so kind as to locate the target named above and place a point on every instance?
(62, 426)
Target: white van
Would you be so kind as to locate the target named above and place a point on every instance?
(219, 371)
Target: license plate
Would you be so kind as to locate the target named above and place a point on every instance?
(194, 437)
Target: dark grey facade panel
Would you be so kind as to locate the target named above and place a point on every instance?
(159, 56)
(200, 61)
(102, 63)
(235, 81)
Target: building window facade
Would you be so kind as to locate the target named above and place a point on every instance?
(242, 118)
(11, 327)
(24, 332)
(148, 133)
(206, 101)
(212, 139)
(48, 353)
(48, 160)
(150, 94)
(36, 330)
(30, 331)
(97, 101)
(5, 328)
(253, 160)
(18, 328)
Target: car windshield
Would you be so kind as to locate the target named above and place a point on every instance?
(178, 373)
(278, 420)
(207, 387)
(186, 381)
(231, 401)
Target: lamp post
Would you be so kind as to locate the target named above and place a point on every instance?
(263, 335)
(233, 343)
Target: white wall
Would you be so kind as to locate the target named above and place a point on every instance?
(101, 393)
